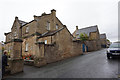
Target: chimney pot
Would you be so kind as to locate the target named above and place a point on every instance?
(76, 27)
(53, 12)
(16, 17)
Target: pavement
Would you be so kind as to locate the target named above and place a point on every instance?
(90, 65)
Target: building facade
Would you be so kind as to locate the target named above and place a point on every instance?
(45, 38)
(103, 40)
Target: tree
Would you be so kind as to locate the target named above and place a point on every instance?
(83, 37)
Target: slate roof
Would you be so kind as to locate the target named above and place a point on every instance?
(87, 30)
(102, 36)
(50, 33)
(22, 22)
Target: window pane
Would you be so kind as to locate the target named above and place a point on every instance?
(48, 25)
(45, 41)
(26, 49)
(27, 29)
(56, 26)
(15, 34)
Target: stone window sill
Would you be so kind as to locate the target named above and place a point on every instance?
(26, 32)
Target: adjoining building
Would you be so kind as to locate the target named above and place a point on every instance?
(93, 43)
(103, 40)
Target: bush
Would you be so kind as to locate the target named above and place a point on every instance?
(83, 37)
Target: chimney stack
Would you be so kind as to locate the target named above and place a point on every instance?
(35, 17)
(76, 27)
(53, 11)
(16, 18)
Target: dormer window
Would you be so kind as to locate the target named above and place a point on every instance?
(57, 26)
(48, 25)
(27, 29)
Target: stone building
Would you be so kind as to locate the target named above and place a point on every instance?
(103, 40)
(1, 47)
(45, 38)
(93, 42)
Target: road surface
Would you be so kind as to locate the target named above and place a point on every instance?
(90, 65)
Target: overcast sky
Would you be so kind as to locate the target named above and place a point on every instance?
(83, 13)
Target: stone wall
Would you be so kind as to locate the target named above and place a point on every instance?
(42, 22)
(94, 36)
(52, 53)
(93, 45)
(15, 61)
(62, 47)
(31, 45)
(8, 37)
(77, 48)
(103, 43)
(31, 29)
(98, 42)
(16, 51)
(49, 39)
(15, 31)
(15, 65)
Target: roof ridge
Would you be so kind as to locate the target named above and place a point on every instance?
(88, 27)
(42, 15)
(28, 23)
(103, 34)
(23, 21)
(49, 33)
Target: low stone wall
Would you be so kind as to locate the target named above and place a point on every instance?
(38, 62)
(52, 53)
(29, 62)
(77, 48)
(93, 45)
(98, 44)
(15, 65)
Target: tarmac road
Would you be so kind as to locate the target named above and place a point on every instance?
(90, 65)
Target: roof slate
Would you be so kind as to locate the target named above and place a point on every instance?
(102, 36)
(87, 30)
(22, 22)
(50, 33)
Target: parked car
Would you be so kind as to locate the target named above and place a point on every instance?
(113, 50)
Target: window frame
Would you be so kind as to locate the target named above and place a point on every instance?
(57, 26)
(26, 47)
(45, 41)
(10, 37)
(27, 29)
(48, 25)
(15, 34)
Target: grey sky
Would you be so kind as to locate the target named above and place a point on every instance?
(83, 13)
